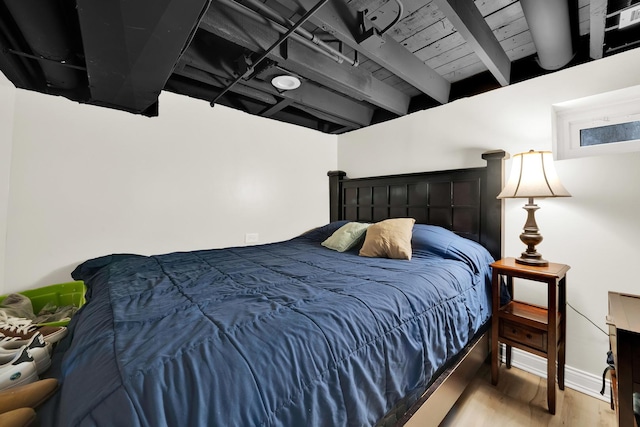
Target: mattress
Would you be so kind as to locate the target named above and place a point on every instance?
(283, 334)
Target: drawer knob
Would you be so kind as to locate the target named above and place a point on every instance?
(529, 336)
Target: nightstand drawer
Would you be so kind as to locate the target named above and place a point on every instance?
(530, 337)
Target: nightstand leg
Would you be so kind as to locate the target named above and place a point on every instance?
(494, 358)
(552, 345)
(495, 284)
(561, 355)
(508, 356)
(562, 308)
(551, 384)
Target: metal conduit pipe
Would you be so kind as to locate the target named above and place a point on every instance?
(250, 13)
(550, 27)
(273, 15)
(278, 42)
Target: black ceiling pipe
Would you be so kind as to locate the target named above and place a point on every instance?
(42, 26)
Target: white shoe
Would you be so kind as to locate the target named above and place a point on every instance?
(21, 369)
(37, 347)
(24, 329)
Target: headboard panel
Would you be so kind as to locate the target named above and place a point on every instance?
(461, 200)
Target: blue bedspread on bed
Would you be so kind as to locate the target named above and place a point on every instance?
(284, 334)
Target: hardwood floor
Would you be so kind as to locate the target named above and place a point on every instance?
(520, 399)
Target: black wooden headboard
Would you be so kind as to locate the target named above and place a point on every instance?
(461, 200)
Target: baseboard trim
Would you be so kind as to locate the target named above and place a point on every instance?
(575, 379)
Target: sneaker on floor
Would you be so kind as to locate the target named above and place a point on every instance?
(17, 370)
(38, 348)
(24, 329)
(52, 334)
(16, 327)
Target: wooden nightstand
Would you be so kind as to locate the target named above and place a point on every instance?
(538, 330)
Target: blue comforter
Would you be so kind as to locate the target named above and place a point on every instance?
(284, 334)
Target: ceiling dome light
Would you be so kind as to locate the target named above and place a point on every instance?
(285, 82)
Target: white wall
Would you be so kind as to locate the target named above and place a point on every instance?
(89, 181)
(596, 231)
(7, 92)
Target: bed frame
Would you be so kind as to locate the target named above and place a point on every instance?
(461, 200)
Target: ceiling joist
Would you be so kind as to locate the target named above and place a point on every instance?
(597, 20)
(469, 22)
(342, 22)
(195, 66)
(270, 111)
(255, 35)
(131, 69)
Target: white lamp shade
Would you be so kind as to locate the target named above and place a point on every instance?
(533, 176)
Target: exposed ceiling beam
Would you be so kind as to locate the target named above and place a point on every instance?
(308, 94)
(341, 21)
(257, 36)
(330, 118)
(218, 82)
(597, 20)
(469, 22)
(270, 111)
(130, 55)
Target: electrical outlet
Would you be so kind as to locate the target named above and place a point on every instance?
(251, 238)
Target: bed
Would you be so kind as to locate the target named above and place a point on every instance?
(292, 333)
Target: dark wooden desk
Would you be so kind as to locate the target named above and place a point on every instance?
(624, 337)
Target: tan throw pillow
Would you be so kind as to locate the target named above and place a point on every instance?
(390, 238)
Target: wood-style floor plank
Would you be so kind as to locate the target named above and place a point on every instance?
(520, 399)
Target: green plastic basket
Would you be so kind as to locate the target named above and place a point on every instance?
(70, 293)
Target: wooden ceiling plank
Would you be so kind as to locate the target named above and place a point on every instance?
(515, 42)
(429, 36)
(460, 63)
(487, 8)
(415, 21)
(451, 56)
(522, 51)
(511, 29)
(342, 22)
(504, 16)
(598, 13)
(468, 20)
(256, 36)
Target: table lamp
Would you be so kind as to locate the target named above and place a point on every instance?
(532, 176)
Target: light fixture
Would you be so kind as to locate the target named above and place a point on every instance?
(285, 82)
(532, 176)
